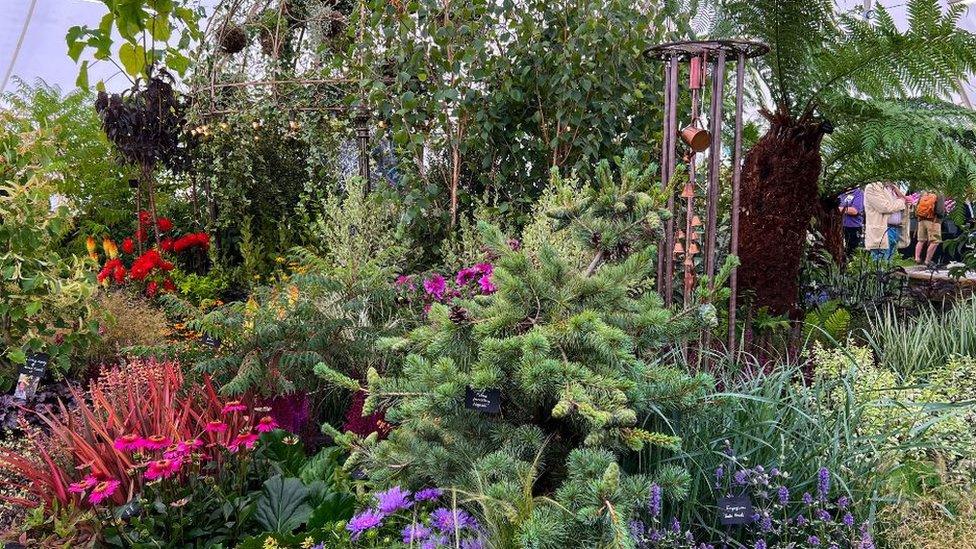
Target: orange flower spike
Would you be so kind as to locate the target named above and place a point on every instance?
(90, 246)
(111, 250)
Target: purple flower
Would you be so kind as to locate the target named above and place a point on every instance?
(740, 477)
(446, 520)
(434, 541)
(848, 520)
(436, 286)
(843, 502)
(719, 473)
(761, 544)
(466, 275)
(784, 495)
(675, 525)
(823, 483)
(774, 472)
(405, 281)
(813, 540)
(393, 500)
(655, 536)
(766, 524)
(807, 498)
(415, 532)
(801, 520)
(487, 286)
(823, 515)
(654, 505)
(472, 543)
(428, 494)
(636, 529)
(366, 520)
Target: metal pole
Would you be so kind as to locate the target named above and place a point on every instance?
(362, 138)
(740, 71)
(672, 118)
(663, 250)
(714, 165)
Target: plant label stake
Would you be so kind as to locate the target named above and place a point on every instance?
(30, 375)
(488, 401)
(735, 510)
(210, 341)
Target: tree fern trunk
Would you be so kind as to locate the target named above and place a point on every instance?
(779, 198)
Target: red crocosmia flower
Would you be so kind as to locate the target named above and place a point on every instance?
(247, 440)
(128, 246)
(145, 218)
(163, 468)
(84, 484)
(233, 406)
(216, 427)
(168, 285)
(156, 442)
(129, 442)
(166, 244)
(102, 491)
(266, 424)
(141, 234)
(164, 224)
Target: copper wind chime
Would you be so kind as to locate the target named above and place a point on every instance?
(706, 61)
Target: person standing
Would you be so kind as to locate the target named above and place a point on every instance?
(884, 220)
(852, 210)
(930, 211)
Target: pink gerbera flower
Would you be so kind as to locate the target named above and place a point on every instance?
(233, 406)
(129, 442)
(244, 439)
(216, 427)
(84, 484)
(156, 442)
(163, 468)
(266, 424)
(102, 491)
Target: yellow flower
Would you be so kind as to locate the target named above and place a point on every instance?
(271, 543)
(111, 250)
(308, 543)
(292, 295)
(90, 245)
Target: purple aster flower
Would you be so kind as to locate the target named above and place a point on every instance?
(823, 515)
(740, 477)
(761, 544)
(813, 540)
(428, 494)
(784, 495)
(434, 541)
(848, 520)
(367, 520)
(447, 520)
(466, 275)
(472, 543)
(719, 473)
(393, 500)
(823, 483)
(485, 268)
(654, 505)
(487, 286)
(413, 533)
(807, 498)
(843, 502)
(436, 286)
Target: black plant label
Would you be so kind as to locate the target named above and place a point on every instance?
(488, 401)
(735, 510)
(30, 375)
(210, 341)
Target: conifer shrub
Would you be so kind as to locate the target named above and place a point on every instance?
(573, 353)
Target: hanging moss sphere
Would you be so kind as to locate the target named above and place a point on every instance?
(233, 39)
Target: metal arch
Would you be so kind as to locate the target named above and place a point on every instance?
(686, 49)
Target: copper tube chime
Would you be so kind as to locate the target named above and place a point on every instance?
(706, 61)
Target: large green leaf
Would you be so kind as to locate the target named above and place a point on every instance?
(282, 506)
(133, 58)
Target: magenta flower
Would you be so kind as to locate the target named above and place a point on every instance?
(233, 406)
(84, 484)
(156, 442)
(405, 282)
(428, 494)
(266, 424)
(436, 286)
(163, 468)
(103, 491)
(129, 442)
(248, 440)
(413, 533)
(446, 520)
(487, 286)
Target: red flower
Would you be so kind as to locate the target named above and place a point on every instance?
(152, 288)
(128, 246)
(141, 234)
(145, 218)
(166, 244)
(145, 263)
(201, 240)
(168, 285)
(164, 224)
(119, 274)
(109, 269)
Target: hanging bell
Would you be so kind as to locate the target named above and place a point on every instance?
(698, 139)
(678, 248)
(696, 221)
(693, 248)
(680, 235)
(694, 236)
(688, 191)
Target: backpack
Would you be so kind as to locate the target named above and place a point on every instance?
(926, 206)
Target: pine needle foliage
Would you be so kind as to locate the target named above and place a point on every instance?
(574, 353)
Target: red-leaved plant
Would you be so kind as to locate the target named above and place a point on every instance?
(133, 425)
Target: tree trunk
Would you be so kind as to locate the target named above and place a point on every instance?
(830, 223)
(779, 198)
